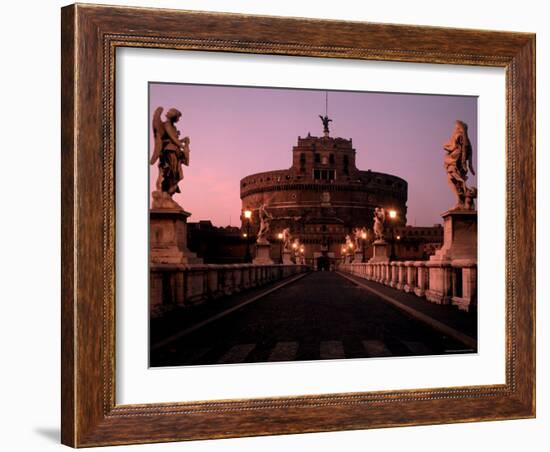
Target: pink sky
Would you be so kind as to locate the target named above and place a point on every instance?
(236, 131)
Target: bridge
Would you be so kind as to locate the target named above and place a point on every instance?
(310, 316)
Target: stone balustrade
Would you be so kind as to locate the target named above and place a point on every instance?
(186, 285)
(439, 282)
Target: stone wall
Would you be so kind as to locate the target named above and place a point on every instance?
(186, 285)
(291, 195)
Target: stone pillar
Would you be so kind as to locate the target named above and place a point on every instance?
(194, 284)
(469, 287)
(439, 290)
(402, 276)
(287, 257)
(245, 276)
(459, 236)
(263, 254)
(387, 273)
(212, 281)
(421, 278)
(465, 274)
(237, 278)
(155, 293)
(410, 283)
(381, 251)
(227, 280)
(263, 274)
(393, 276)
(179, 288)
(259, 275)
(459, 245)
(378, 272)
(358, 258)
(168, 237)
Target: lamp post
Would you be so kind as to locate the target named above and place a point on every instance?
(248, 218)
(363, 242)
(344, 249)
(280, 237)
(393, 216)
(302, 255)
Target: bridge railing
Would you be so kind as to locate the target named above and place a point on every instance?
(439, 282)
(186, 285)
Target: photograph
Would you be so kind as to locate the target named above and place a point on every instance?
(291, 224)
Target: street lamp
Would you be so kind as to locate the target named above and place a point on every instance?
(364, 241)
(393, 216)
(247, 214)
(295, 251)
(280, 237)
(351, 257)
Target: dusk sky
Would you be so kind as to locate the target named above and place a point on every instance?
(237, 131)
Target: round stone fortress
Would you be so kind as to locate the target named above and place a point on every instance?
(322, 196)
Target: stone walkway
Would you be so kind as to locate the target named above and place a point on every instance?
(182, 319)
(465, 322)
(323, 315)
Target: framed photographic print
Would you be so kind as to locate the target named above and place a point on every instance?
(278, 225)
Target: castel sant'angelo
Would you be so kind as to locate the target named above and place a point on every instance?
(323, 196)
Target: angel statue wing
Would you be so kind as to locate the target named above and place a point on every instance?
(158, 131)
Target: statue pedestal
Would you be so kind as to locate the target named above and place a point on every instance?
(287, 257)
(263, 254)
(168, 237)
(452, 266)
(358, 257)
(380, 251)
(459, 236)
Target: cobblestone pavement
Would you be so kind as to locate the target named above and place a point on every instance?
(320, 316)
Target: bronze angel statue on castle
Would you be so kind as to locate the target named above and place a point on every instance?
(170, 152)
